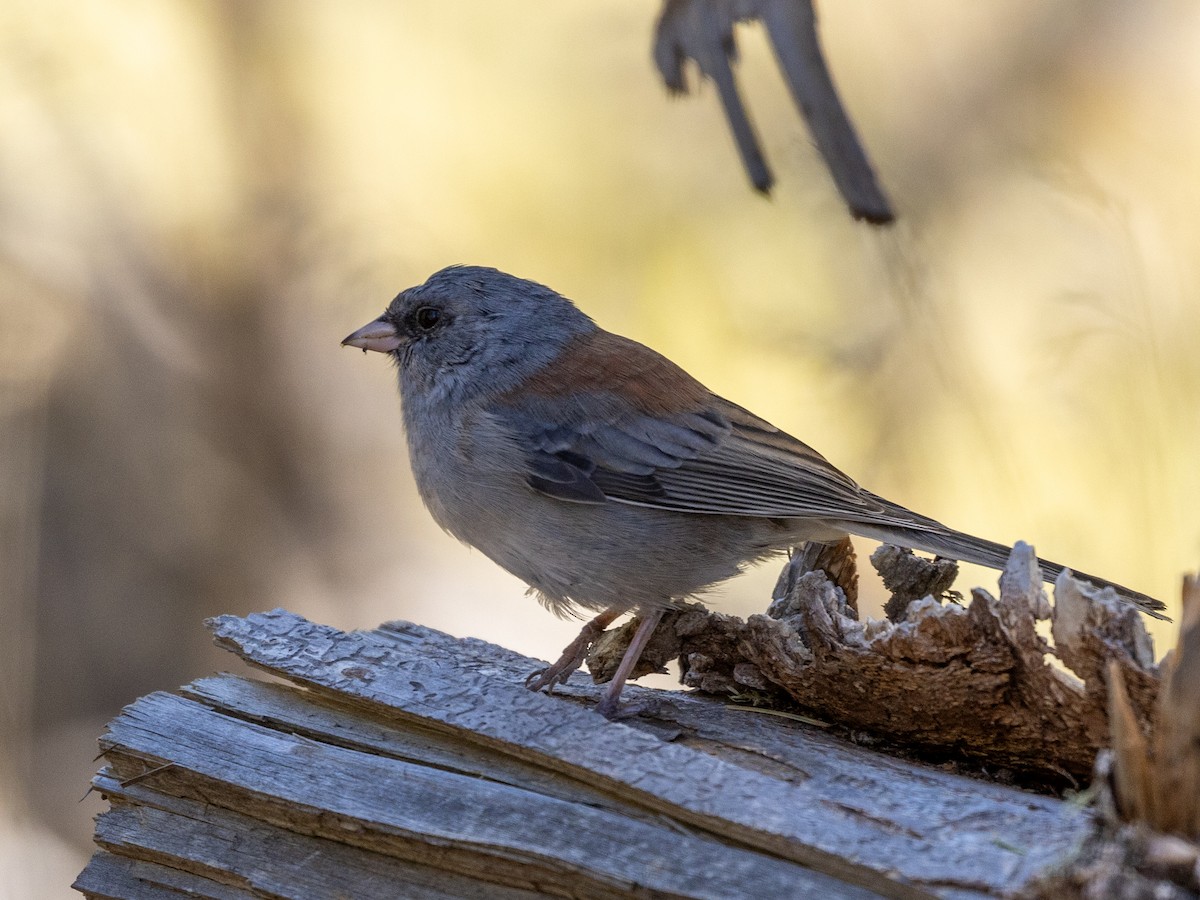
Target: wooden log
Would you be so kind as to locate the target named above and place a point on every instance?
(404, 762)
(110, 876)
(973, 682)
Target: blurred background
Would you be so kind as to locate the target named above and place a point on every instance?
(198, 200)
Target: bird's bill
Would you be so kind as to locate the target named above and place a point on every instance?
(379, 336)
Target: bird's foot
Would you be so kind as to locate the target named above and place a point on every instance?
(572, 657)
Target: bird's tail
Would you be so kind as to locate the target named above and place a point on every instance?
(932, 537)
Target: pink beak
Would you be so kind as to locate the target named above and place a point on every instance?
(379, 336)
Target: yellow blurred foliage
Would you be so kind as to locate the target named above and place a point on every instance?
(199, 199)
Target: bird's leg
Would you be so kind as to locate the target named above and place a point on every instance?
(573, 655)
(610, 703)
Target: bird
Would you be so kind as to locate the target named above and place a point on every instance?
(602, 474)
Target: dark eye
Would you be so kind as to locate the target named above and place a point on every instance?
(427, 317)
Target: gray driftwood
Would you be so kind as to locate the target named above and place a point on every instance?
(402, 762)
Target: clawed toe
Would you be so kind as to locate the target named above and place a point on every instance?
(576, 652)
(550, 676)
(536, 679)
(572, 657)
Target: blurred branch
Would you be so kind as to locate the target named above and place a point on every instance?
(22, 447)
(32, 337)
(702, 30)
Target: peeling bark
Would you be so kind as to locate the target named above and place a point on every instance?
(976, 682)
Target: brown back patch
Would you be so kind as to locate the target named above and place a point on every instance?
(602, 361)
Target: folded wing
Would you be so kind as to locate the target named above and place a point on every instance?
(716, 458)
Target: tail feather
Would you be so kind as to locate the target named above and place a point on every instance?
(933, 537)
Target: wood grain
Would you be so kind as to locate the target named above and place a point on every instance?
(404, 762)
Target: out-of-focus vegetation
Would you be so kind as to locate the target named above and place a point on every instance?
(199, 199)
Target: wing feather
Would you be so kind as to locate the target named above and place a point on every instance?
(719, 459)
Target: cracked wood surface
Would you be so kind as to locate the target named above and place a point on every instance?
(405, 762)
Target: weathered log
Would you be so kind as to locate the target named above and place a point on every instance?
(404, 762)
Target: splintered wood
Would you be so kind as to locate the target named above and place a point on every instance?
(1147, 788)
(976, 682)
(403, 762)
(1156, 778)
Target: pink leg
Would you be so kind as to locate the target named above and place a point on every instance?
(573, 655)
(610, 704)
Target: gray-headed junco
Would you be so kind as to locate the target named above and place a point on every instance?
(601, 473)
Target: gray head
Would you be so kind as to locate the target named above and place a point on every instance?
(471, 331)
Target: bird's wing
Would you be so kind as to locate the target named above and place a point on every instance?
(658, 438)
(758, 470)
(616, 422)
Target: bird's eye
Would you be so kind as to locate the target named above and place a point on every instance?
(427, 317)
